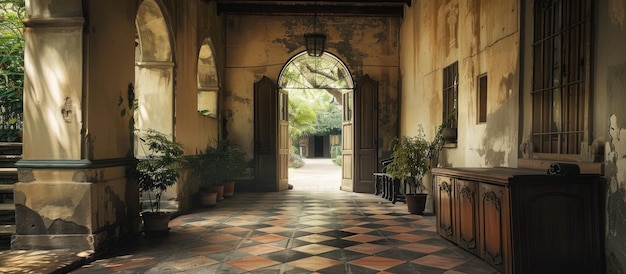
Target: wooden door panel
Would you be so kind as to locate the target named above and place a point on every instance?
(266, 135)
(445, 208)
(467, 215)
(347, 133)
(283, 151)
(365, 134)
(494, 226)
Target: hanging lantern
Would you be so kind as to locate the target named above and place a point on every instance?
(315, 44)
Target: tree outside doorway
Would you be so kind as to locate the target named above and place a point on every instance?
(315, 86)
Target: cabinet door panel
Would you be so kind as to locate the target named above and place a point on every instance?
(445, 208)
(494, 226)
(467, 215)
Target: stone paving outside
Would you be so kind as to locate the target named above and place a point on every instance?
(314, 228)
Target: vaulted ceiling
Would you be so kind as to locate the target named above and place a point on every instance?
(393, 8)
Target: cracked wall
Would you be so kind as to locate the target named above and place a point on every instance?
(260, 46)
(616, 196)
(484, 39)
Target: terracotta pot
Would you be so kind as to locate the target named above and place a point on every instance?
(207, 198)
(156, 223)
(229, 189)
(416, 203)
(220, 191)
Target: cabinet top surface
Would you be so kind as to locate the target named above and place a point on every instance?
(501, 175)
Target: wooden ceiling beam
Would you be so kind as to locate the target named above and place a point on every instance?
(342, 8)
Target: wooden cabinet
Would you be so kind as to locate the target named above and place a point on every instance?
(566, 237)
(523, 221)
(445, 208)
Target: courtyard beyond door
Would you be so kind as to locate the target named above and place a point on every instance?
(317, 174)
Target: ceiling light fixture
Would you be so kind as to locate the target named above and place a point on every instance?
(315, 42)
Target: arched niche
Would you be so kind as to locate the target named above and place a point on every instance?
(154, 72)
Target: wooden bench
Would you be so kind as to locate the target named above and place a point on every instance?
(388, 187)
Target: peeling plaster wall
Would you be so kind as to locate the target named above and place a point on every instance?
(483, 36)
(258, 46)
(609, 118)
(195, 21)
(83, 209)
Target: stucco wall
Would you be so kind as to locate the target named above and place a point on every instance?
(260, 46)
(483, 37)
(609, 120)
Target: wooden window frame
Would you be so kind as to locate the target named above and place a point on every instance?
(451, 94)
(481, 98)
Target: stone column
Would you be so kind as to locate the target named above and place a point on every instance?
(68, 196)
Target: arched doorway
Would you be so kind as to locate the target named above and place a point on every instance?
(315, 77)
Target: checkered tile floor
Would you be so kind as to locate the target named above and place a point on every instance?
(295, 232)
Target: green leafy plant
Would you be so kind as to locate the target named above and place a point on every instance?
(220, 161)
(412, 157)
(160, 168)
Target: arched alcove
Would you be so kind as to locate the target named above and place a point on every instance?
(154, 71)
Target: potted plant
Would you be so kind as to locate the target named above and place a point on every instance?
(155, 173)
(412, 159)
(233, 165)
(205, 167)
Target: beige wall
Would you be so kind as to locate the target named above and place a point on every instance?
(260, 46)
(483, 36)
(609, 120)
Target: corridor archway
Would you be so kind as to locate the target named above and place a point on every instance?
(315, 76)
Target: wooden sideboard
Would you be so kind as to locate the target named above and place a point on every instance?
(523, 220)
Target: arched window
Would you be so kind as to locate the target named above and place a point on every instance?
(208, 81)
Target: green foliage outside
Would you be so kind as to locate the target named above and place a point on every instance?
(11, 69)
(311, 112)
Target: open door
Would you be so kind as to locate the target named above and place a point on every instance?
(365, 134)
(283, 140)
(271, 138)
(347, 133)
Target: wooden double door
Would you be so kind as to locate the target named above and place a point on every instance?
(359, 136)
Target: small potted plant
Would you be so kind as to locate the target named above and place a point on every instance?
(159, 170)
(233, 165)
(205, 167)
(412, 159)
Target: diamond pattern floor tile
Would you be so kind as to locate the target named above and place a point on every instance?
(314, 263)
(378, 263)
(252, 263)
(295, 232)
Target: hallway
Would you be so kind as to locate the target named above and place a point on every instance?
(295, 231)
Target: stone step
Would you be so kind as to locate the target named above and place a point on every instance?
(9, 160)
(8, 175)
(10, 148)
(7, 208)
(6, 189)
(7, 229)
(6, 232)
